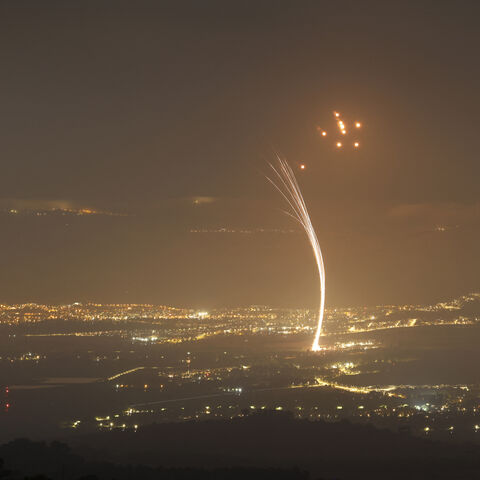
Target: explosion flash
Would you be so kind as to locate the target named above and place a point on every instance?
(342, 128)
(287, 185)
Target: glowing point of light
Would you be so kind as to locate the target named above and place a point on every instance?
(302, 167)
(358, 124)
(324, 134)
(339, 144)
(288, 187)
(336, 114)
(356, 144)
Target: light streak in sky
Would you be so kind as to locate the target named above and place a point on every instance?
(286, 183)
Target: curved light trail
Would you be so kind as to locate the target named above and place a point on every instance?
(286, 183)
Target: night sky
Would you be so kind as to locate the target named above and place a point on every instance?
(167, 112)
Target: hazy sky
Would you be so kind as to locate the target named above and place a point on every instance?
(168, 111)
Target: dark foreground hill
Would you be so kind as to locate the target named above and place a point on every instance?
(248, 447)
(328, 450)
(55, 465)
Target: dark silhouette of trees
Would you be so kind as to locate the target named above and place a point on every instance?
(3, 473)
(31, 460)
(262, 446)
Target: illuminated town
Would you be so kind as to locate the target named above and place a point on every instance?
(148, 363)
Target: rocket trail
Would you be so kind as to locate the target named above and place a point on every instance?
(286, 183)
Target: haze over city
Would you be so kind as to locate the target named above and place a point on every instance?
(166, 113)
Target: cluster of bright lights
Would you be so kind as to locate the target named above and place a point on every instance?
(342, 128)
(286, 183)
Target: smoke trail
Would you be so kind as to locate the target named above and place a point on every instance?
(286, 183)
